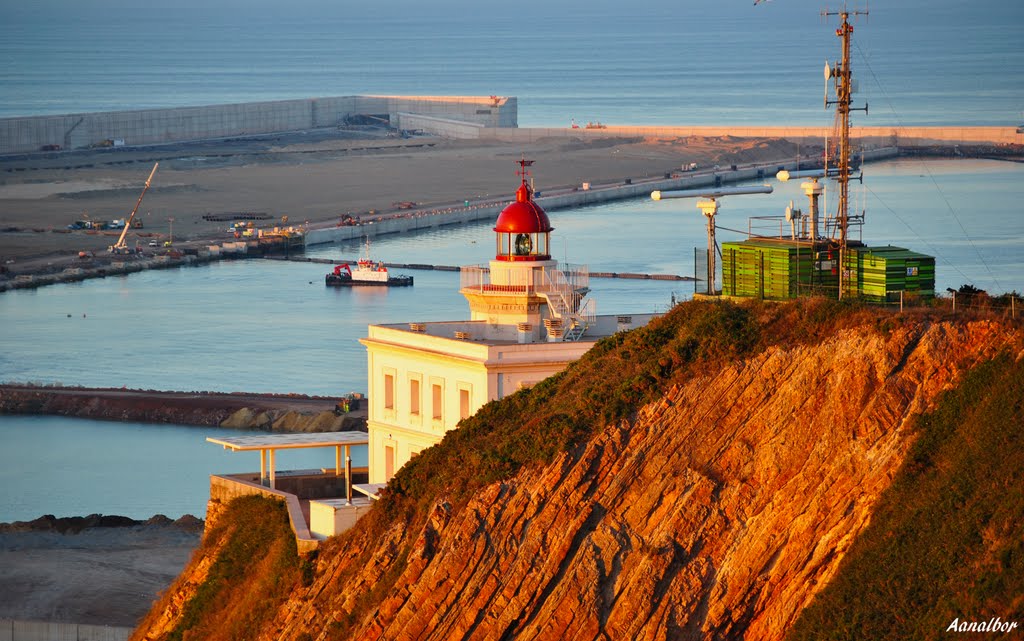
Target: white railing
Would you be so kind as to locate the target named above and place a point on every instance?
(516, 282)
(576, 276)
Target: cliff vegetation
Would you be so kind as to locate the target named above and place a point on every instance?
(702, 477)
(244, 568)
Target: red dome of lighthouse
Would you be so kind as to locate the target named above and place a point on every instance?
(524, 216)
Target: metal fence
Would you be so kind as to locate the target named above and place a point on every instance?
(1003, 306)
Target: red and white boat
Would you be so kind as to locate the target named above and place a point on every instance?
(366, 272)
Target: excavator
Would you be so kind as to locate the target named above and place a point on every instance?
(120, 247)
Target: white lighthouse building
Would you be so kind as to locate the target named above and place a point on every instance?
(529, 318)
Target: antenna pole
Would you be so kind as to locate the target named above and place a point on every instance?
(524, 172)
(842, 75)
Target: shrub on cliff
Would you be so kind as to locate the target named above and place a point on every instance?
(255, 566)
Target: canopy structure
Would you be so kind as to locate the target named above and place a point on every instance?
(268, 444)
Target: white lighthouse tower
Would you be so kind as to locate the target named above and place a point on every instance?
(529, 318)
(523, 286)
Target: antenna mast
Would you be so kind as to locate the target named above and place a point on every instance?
(842, 77)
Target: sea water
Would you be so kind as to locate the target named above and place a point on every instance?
(269, 326)
(272, 326)
(650, 62)
(75, 467)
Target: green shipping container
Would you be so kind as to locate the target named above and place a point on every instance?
(776, 269)
(781, 269)
(884, 272)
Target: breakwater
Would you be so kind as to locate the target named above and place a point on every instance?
(562, 198)
(275, 412)
(193, 254)
(456, 268)
(210, 122)
(865, 137)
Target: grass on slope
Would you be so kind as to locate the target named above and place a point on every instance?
(254, 571)
(947, 540)
(619, 375)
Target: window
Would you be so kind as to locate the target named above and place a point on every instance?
(389, 391)
(463, 404)
(414, 397)
(436, 401)
(389, 462)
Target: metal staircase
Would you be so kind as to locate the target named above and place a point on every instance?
(568, 305)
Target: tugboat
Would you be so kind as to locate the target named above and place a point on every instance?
(367, 272)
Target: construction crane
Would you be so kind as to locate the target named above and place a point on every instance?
(120, 247)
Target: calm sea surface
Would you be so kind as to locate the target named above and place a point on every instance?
(644, 62)
(269, 326)
(74, 467)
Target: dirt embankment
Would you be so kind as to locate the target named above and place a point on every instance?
(283, 413)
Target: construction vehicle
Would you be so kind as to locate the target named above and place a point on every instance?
(120, 247)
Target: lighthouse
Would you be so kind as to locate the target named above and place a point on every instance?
(529, 318)
(523, 286)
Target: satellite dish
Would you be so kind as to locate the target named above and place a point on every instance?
(828, 71)
(792, 213)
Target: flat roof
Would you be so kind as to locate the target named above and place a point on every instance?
(371, 490)
(291, 441)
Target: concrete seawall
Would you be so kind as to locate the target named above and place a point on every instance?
(563, 199)
(554, 199)
(160, 126)
(12, 630)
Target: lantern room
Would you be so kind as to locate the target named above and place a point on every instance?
(523, 229)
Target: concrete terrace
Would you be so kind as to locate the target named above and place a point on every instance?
(320, 502)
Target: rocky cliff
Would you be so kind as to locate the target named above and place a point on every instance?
(700, 478)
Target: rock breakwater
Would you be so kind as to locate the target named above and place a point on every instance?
(283, 413)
